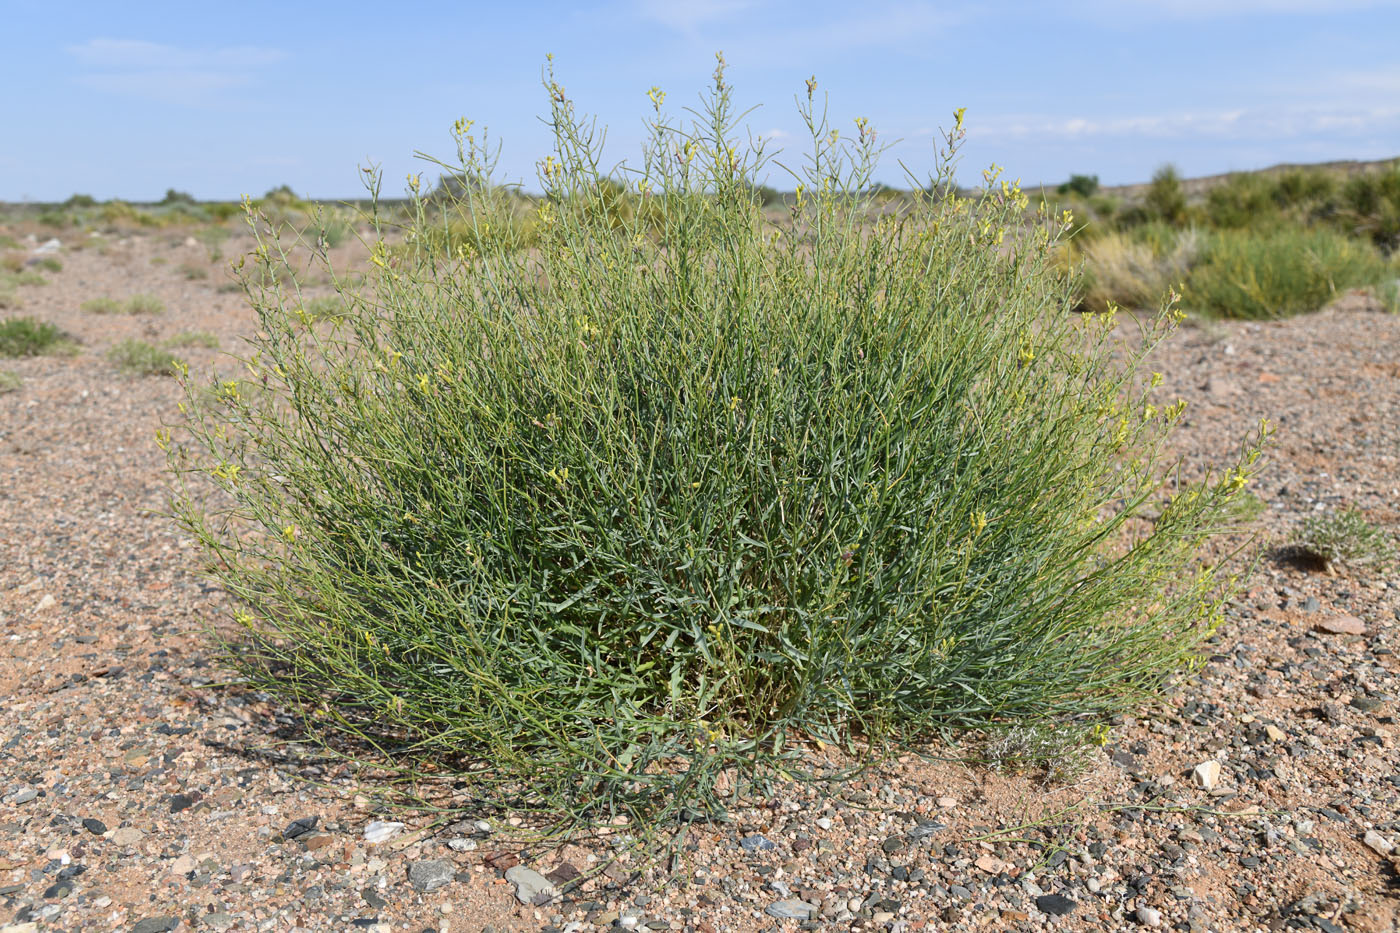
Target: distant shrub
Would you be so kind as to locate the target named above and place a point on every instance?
(50, 263)
(26, 336)
(80, 200)
(1263, 275)
(1166, 199)
(1245, 199)
(192, 270)
(177, 197)
(1085, 186)
(57, 219)
(139, 358)
(669, 494)
(1135, 272)
(1370, 206)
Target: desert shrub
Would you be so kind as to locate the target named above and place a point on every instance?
(1086, 186)
(80, 201)
(1346, 538)
(26, 336)
(192, 270)
(1245, 199)
(1135, 270)
(11, 262)
(139, 358)
(1166, 199)
(50, 263)
(9, 381)
(173, 197)
(1261, 275)
(223, 210)
(1370, 206)
(1304, 188)
(56, 218)
(591, 523)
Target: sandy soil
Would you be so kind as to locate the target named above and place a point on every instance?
(135, 795)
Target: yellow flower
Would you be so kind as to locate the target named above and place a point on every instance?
(958, 118)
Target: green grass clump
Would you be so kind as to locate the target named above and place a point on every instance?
(9, 381)
(26, 336)
(50, 264)
(1263, 275)
(140, 358)
(1346, 539)
(193, 338)
(192, 270)
(680, 491)
(136, 304)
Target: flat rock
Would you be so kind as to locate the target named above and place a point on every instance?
(1056, 905)
(431, 874)
(1341, 625)
(156, 925)
(1378, 843)
(1206, 774)
(531, 888)
(791, 910)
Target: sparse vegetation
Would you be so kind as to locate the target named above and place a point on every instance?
(1346, 539)
(26, 336)
(193, 338)
(192, 270)
(9, 381)
(139, 358)
(136, 304)
(671, 495)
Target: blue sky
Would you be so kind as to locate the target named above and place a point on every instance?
(126, 100)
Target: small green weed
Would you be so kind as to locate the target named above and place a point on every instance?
(140, 358)
(1061, 752)
(9, 381)
(136, 304)
(1346, 539)
(193, 338)
(26, 336)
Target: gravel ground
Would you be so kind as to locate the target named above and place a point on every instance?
(1260, 795)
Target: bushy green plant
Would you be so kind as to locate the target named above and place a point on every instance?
(1086, 186)
(27, 336)
(1261, 275)
(1166, 198)
(1245, 199)
(592, 523)
(1346, 538)
(140, 358)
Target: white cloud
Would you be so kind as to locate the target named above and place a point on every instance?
(1219, 124)
(1218, 9)
(166, 73)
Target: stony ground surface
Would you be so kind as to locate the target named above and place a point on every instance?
(135, 796)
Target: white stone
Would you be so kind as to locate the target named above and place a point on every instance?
(1206, 774)
(1149, 917)
(382, 831)
(1378, 843)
